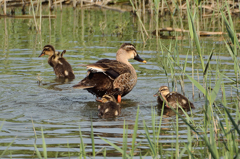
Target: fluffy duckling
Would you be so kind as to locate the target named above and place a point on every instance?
(112, 77)
(60, 65)
(173, 99)
(109, 107)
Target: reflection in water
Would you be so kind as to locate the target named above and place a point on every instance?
(168, 112)
(57, 82)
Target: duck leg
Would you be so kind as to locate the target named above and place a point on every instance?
(119, 98)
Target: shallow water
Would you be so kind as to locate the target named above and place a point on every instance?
(59, 110)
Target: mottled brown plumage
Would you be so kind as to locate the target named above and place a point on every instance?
(173, 99)
(109, 107)
(112, 77)
(60, 65)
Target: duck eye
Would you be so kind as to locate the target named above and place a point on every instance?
(129, 48)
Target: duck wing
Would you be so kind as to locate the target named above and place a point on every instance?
(59, 70)
(175, 99)
(63, 69)
(66, 68)
(101, 76)
(111, 68)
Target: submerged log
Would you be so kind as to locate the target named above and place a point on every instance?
(27, 16)
(201, 33)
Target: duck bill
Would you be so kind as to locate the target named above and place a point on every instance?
(99, 99)
(138, 58)
(157, 94)
(42, 54)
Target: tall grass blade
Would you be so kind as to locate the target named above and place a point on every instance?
(230, 80)
(194, 34)
(185, 63)
(232, 120)
(34, 17)
(37, 152)
(230, 29)
(153, 123)
(82, 146)
(149, 140)
(124, 139)
(7, 147)
(208, 62)
(205, 137)
(156, 8)
(224, 132)
(114, 146)
(139, 18)
(189, 152)
(2, 125)
(215, 90)
(234, 57)
(200, 87)
(134, 136)
(44, 145)
(92, 139)
(158, 135)
(105, 153)
(177, 137)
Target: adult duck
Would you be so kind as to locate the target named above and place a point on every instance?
(109, 107)
(112, 77)
(60, 65)
(173, 99)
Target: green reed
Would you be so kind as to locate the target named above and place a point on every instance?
(9, 145)
(211, 122)
(135, 8)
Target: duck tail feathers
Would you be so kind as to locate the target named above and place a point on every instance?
(82, 86)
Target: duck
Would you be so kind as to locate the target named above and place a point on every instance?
(109, 107)
(60, 65)
(173, 99)
(112, 77)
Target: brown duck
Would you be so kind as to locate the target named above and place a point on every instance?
(173, 99)
(112, 77)
(60, 65)
(109, 107)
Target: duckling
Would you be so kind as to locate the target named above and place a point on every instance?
(112, 77)
(173, 99)
(60, 65)
(109, 107)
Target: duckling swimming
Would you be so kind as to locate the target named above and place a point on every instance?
(174, 99)
(60, 65)
(109, 107)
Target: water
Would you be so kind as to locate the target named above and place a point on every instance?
(28, 106)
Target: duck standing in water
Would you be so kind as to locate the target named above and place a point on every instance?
(112, 77)
(173, 99)
(109, 107)
(60, 65)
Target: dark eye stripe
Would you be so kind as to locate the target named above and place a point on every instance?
(164, 89)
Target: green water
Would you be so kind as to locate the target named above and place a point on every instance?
(59, 109)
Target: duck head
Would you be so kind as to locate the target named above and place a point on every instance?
(163, 91)
(109, 107)
(107, 98)
(128, 51)
(48, 50)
